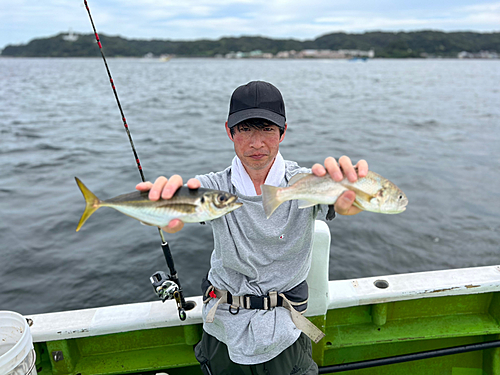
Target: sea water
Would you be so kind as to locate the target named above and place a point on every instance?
(430, 126)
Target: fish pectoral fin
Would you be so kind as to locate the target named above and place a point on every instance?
(305, 204)
(356, 204)
(362, 197)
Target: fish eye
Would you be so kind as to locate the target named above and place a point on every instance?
(202, 200)
(400, 197)
(222, 198)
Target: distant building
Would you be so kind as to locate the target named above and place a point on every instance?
(326, 54)
(478, 55)
(71, 37)
(304, 54)
(287, 54)
(256, 54)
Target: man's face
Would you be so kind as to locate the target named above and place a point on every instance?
(256, 148)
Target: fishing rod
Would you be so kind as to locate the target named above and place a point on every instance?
(166, 287)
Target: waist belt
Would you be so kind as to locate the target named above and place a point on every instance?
(270, 301)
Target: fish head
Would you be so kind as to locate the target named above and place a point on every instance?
(395, 202)
(391, 199)
(219, 203)
(388, 200)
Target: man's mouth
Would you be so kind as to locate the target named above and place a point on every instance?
(257, 156)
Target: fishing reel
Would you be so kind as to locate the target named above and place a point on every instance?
(167, 287)
(164, 287)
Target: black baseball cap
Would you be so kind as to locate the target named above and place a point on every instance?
(256, 99)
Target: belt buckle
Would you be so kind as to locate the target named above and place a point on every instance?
(258, 302)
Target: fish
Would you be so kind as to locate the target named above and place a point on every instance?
(373, 193)
(187, 205)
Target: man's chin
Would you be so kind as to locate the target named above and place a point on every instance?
(257, 164)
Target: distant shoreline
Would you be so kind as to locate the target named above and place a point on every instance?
(378, 44)
(247, 58)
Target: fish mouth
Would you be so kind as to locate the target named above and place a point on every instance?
(397, 211)
(232, 201)
(391, 210)
(403, 206)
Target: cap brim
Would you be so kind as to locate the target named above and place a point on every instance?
(237, 117)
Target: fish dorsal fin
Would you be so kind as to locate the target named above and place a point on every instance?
(297, 177)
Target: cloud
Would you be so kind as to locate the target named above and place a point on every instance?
(484, 14)
(487, 7)
(23, 20)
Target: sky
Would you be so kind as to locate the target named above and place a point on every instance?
(24, 20)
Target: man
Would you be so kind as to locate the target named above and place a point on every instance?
(258, 266)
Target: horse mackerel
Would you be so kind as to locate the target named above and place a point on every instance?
(187, 205)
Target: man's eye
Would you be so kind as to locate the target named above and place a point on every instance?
(269, 129)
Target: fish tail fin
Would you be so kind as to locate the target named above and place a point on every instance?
(270, 199)
(91, 201)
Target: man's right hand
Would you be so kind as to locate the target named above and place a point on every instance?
(344, 205)
(165, 188)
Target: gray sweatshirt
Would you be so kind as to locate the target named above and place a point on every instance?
(255, 255)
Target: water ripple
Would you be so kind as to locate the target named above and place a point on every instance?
(430, 126)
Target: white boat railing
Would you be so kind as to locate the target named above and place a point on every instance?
(323, 295)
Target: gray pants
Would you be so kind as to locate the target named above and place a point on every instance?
(295, 360)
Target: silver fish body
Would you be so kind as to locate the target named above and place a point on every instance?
(187, 205)
(373, 193)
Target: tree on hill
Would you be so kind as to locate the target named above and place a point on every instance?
(385, 44)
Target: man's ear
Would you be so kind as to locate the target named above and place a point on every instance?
(228, 131)
(284, 132)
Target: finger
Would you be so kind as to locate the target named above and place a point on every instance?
(193, 183)
(348, 169)
(174, 226)
(144, 186)
(344, 206)
(157, 188)
(174, 183)
(362, 167)
(318, 170)
(333, 169)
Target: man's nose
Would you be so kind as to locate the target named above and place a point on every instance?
(257, 139)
